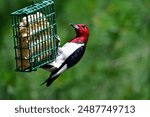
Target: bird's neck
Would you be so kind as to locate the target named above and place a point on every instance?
(80, 39)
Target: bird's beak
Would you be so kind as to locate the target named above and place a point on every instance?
(74, 26)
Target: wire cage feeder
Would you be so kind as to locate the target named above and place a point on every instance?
(34, 33)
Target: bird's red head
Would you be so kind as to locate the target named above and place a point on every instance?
(82, 33)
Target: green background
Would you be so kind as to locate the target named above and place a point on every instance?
(116, 64)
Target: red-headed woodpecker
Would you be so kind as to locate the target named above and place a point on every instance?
(69, 54)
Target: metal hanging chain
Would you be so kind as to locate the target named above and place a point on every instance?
(33, 3)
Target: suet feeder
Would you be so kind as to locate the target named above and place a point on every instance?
(34, 33)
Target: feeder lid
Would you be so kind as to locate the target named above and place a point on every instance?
(32, 8)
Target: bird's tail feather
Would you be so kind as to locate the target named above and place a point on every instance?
(49, 81)
(44, 82)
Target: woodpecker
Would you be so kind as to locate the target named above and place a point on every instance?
(69, 54)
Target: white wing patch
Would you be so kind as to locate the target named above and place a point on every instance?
(64, 52)
(69, 48)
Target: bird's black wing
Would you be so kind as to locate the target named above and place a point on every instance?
(75, 57)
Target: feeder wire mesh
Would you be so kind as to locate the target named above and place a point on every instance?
(34, 32)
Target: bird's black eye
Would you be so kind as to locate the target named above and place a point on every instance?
(83, 26)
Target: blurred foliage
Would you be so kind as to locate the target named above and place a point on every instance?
(116, 64)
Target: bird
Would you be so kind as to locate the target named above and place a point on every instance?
(69, 54)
